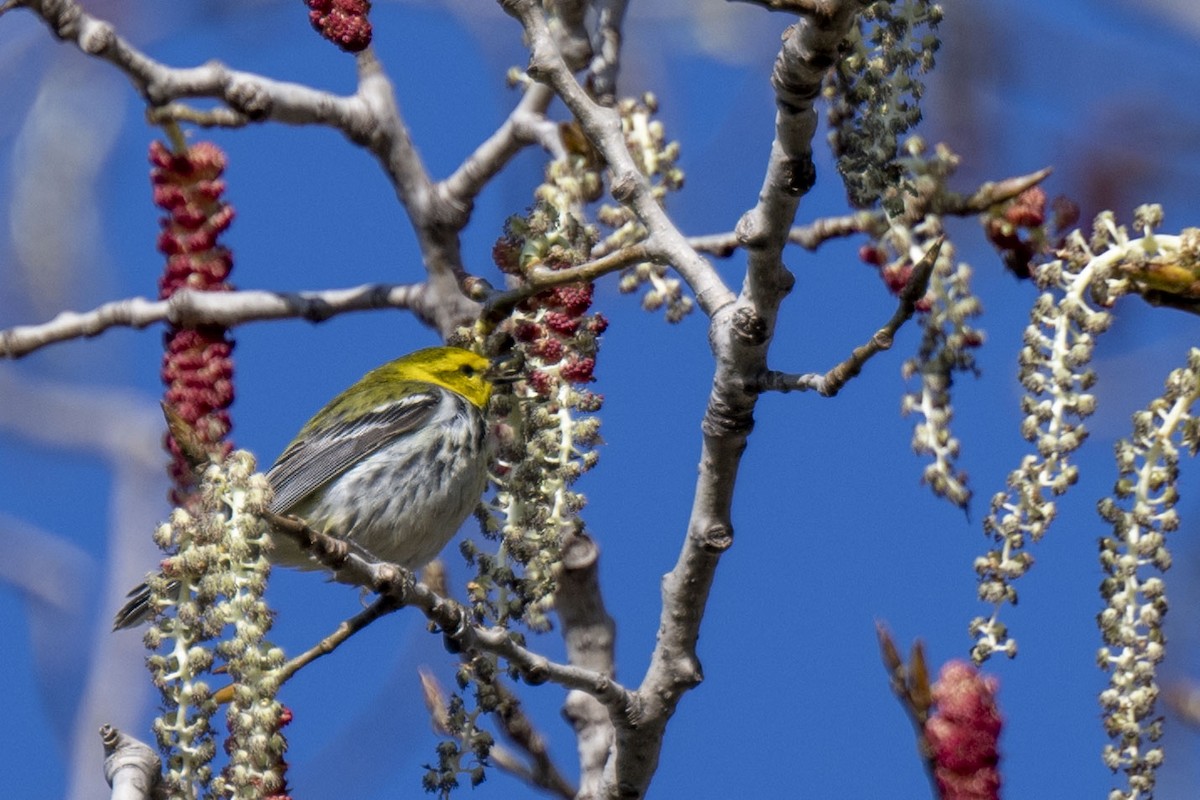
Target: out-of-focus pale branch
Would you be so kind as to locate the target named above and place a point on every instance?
(606, 62)
(830, 383)
(189, 308)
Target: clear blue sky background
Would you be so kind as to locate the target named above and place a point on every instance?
(833, 529)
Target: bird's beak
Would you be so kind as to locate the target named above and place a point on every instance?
(506, 369)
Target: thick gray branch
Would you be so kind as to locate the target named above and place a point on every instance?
(740, 334)
(740, 331)
(590, 637)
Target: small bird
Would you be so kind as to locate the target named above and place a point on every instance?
(394, 464)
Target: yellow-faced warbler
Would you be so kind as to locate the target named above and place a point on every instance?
(394, 464)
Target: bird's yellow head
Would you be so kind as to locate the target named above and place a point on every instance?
(451, 368)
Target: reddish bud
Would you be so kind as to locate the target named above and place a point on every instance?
(598, 324)
(873, 255)
(550, 351)
(560, 323)
(963, 733)
(578, 370)
(572, 299)
(541, 382)
(1029, 209)
(343, 22)
(528, 331)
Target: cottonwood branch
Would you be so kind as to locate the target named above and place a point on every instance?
(189, 308)
(589, 634)
(874, 223)
(131, 767)
(739, 332)
(832, 381)
(630, 187)
(451, 617)
(370, 117)
(499, 304)
(606, 63)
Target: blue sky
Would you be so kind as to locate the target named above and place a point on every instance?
(833, 529)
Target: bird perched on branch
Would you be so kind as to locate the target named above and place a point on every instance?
(394, 464)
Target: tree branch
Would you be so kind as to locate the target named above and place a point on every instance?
(526, 124)
(950, 204)
(453, 618)
(499, 304)
(370, 118)
(347, 628)
(629, 186)
(606, 62)
(189, 308)
(831, 382)
(131, 767)
(590, 637)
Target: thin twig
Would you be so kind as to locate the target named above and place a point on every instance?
(629, 186)
(831, 382)
(813, 235)
(542, 773)
(538, 280)
(347, 628)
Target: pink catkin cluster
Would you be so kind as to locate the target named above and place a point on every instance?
(895, 275)
(197, 367)
(551, 337)
(554, 325)
(1026, 214)
(963, 734)
(343, 22)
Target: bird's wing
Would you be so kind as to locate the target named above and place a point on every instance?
(314, 460)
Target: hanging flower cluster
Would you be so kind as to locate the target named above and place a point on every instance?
(197, 367)
(657, 159)
(213, 577)
(1142, 512)
(875, 92)
(963, 734)
(215, 571)
(550, 441)
(554, 434)
(1087, 277)
(948, 340)
(343, 22)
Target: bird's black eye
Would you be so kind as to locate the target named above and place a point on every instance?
(468, 370)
